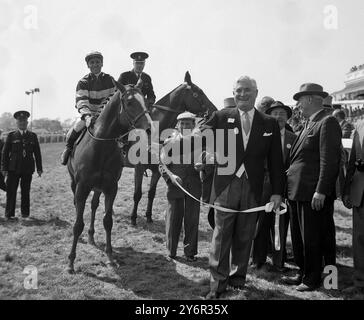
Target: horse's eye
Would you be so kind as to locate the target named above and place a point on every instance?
(195, 94)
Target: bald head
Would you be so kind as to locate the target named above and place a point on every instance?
(265, 103)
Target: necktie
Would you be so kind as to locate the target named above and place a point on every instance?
(246, 123)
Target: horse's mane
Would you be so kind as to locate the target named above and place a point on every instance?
(165, 100)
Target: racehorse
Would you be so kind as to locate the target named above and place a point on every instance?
(186, 97)
(95, 162)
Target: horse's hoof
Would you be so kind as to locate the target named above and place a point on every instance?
(133, 222)
(149, 220)
(70, 270)
(92, 242)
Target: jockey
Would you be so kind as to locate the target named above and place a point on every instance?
(92, 93)
(132, 77)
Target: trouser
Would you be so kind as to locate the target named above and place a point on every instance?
(265, 239)
(187, 210)
(358, 245)
(12, 187)
(233, 236)
(309, 237)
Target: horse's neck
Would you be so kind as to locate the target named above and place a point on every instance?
(107, 125)
(174, 101)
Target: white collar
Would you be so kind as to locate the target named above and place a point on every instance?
(250, 113)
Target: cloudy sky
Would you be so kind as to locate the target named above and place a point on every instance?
(281, 43)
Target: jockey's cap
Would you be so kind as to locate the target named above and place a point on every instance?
(186, 115)
(93, 54)
(139, 56)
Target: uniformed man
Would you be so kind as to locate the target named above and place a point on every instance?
(2, 181)
(92, 93)
(17, 164)
(132, 77)
(181, 206)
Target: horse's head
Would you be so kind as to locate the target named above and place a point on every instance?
(186, 97)
(133, 111)
(195, 100)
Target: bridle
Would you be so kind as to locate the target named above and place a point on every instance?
(131, 121)
(196, 96)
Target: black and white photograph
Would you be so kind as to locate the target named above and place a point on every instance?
(203, 151)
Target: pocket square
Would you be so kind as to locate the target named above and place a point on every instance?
(266, 134)
(310, 136)
(231, 120)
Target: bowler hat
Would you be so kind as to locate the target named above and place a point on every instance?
(229, 102)
(93, 54)
(20, 115)
(278, 104)
(310, 89)
(139, 56)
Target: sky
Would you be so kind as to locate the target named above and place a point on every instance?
(280, 43)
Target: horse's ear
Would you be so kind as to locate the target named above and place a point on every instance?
(139, 84)
(188, 78)
(119, 86)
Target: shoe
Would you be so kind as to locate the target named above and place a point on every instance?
(171, 257)
(237, 287)
(191, 258)
(353, 290)
(257, 266)
(293, 281)
(65, 155)
(278, 269)
(305, 288)
(212, 295)
(11, 219)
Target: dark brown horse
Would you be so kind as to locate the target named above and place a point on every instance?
(95, 164)
(186, 97)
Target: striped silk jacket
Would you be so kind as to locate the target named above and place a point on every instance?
(93, 92)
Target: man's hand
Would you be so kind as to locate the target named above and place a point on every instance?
(40, 173)
(5, 174)
(347, 202)
(176, 179)
(277, 199)
(199, 166)
(318, 201)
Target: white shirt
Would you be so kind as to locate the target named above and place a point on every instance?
(246, 137)
(283, 134)
(22, 132)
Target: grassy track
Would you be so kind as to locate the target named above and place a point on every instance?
(143, 271)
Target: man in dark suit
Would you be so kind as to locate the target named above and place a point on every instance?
(311, 178)
(17, 164)
(132, 77)
(346, 127)
(2, 181)
(266, 233)
(354, 199)
(257, 138)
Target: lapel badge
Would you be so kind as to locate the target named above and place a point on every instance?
(236, 130)
(289, 146)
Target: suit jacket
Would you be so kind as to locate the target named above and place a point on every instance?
(289, 139)
(2, 182)
(130, 77)
(19, 153)
(263, 142)
(354, 182)
(315, 159)
(186, 171)
(346, 128)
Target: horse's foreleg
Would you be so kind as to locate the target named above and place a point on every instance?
(81, 194)
(151, 194)
(138, 180)
(108, 221)
(94, 205)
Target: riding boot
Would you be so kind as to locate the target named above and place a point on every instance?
(69, 146)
